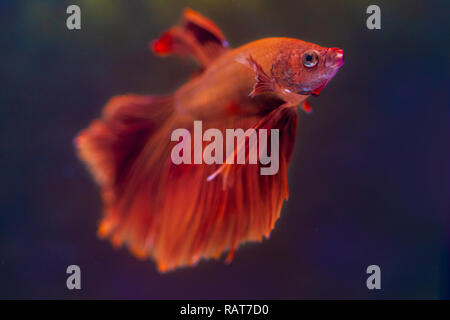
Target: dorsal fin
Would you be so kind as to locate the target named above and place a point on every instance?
(195, 36)
(204, 29)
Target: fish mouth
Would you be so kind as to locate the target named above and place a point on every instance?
(334, 58)
(304, 92)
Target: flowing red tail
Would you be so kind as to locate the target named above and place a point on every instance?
(171, 212)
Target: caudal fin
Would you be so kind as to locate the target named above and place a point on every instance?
(112, 148)
(109, 145)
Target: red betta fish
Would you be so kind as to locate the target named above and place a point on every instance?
(178, 214)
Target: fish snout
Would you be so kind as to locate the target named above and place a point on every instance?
(335, 57)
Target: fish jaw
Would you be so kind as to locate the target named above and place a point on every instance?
(334, 58)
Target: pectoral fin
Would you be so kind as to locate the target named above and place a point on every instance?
(264, 83)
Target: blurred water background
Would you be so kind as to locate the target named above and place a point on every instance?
(368, 181)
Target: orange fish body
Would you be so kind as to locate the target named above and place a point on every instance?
(227, 80)
(178, 214)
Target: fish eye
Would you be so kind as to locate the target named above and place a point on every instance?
(310, 58)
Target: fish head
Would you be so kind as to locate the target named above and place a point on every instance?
(306, 68)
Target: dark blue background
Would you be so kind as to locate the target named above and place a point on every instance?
(368, 181)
